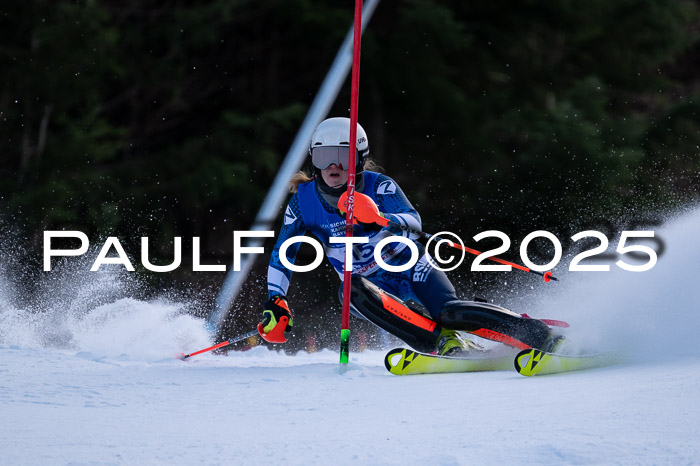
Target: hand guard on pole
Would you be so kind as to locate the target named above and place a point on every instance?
(276, 320)
(365, 209)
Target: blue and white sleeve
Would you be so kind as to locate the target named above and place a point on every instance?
(278, 276)
(395, 206)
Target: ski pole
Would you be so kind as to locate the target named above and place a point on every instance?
(423, 237)
(220, 345)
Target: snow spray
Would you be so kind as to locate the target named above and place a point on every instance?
(73, 309)
(655, 314)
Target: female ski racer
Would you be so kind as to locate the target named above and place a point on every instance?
(377, 294)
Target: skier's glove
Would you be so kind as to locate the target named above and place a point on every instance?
(364, 209)
(276, 320)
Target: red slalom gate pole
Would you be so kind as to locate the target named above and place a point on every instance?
(349, 215)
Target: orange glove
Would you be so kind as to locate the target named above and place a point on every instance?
(364, 209)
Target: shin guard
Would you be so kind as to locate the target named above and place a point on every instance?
(393, 315)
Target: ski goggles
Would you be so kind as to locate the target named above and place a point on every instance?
(324, 156)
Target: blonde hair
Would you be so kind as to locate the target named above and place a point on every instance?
(303, 176)
(299, 177)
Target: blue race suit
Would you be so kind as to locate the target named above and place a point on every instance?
(308, 211)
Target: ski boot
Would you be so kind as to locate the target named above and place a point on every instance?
(553, 343)
(451, 343)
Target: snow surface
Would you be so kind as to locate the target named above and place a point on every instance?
(100, 385)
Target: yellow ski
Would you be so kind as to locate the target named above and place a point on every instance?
(403, 361)
(535, 362)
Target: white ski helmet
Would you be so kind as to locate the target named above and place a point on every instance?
(335, 132)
